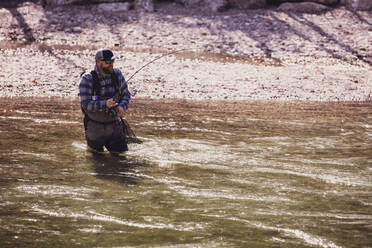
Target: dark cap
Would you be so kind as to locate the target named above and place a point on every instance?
(105, 54)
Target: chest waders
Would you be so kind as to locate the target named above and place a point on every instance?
(129, 134)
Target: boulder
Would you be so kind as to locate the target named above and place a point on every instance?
(248, 4)
(216, 5)
(209, 5)
(304, 7)
(190, 3)
(146, 5)
(114, 7)
(358, 4)
(325, 2)
(69, 2)
(60, 2)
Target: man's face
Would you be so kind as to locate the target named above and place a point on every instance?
(107, 67)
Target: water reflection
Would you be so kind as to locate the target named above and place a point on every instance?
(209, 174)
(116, 169)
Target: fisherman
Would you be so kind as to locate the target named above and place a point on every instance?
(104, 98)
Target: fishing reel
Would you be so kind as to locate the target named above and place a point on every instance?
(112, 112)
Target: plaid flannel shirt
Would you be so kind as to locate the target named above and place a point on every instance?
(107, 91)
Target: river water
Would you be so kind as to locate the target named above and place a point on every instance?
(209, 174)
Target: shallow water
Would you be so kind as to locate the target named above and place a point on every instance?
(217, 174)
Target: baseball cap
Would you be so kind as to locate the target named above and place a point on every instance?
(105, 54)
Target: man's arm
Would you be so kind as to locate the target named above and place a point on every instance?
(124, 91)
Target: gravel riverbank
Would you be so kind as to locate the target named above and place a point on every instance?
(235, 55)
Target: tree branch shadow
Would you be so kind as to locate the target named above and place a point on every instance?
(224, 43)
(27, 31)
(12, 7)
(333, 40)
(359, 17)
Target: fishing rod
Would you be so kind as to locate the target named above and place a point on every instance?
(159, 57)
(131, 137)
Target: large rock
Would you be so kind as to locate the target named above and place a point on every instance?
(248, 4)
(216, 5)
(210, 5)
(60, 2)
(190, 3)
(358, 4)
(325, 2)
(146, 5)
(69, 2)
(305, 7)
(114, 7)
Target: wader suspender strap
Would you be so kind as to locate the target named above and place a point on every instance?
(95, 92)
(96, 87)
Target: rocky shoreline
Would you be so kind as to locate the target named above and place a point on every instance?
(261, 54)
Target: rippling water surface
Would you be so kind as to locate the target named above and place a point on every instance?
(218, 174)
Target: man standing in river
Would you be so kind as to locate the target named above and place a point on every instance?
(104, 98)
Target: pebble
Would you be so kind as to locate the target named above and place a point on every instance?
(266, 46)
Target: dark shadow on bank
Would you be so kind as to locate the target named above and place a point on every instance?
(117, 169)
(249, 26)
(359, 17)
(12, 8)
(90, 17)
(330, 38)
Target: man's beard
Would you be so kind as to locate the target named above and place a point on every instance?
(107, 70)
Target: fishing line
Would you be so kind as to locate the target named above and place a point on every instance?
(159, 57)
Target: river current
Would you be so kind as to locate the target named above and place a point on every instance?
(208, 174)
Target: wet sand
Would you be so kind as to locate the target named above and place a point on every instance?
(316, 112)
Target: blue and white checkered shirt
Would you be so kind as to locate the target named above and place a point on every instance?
(92, 104)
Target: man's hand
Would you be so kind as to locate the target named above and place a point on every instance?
(120, 111)
(110, 103)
